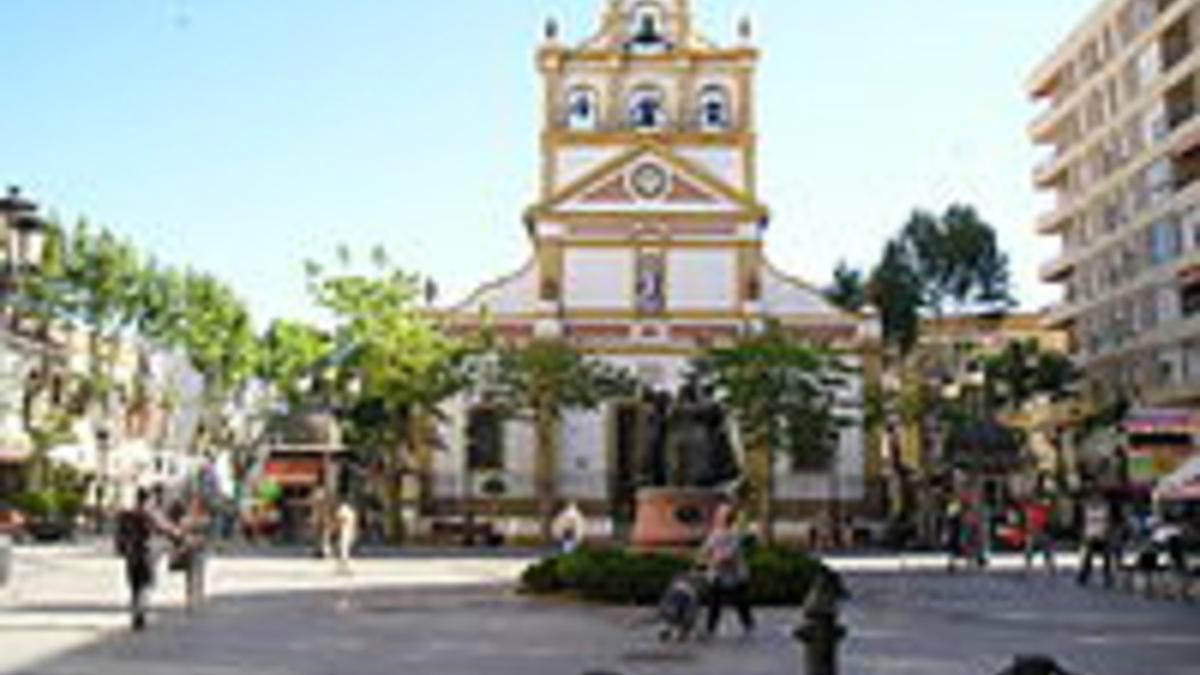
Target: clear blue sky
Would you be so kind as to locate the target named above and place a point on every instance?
(243, 137)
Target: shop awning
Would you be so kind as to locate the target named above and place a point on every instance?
(13, 455)
(1161, 421)
(1182, 485)
(295, 471)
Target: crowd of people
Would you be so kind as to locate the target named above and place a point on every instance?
(180, 530)
(1114, 533)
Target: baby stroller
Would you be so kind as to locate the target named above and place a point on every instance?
(681, 604)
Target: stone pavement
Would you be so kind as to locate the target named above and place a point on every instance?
(448, 615)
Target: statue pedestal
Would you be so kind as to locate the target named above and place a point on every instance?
(674, 518)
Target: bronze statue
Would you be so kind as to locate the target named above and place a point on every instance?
(687, 441)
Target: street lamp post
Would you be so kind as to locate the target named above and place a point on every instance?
(21, 254)
(977, 383)
(24, 239)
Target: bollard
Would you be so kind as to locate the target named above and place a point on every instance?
(6, 559)
(821, 632)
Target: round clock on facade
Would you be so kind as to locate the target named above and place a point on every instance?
(649, 181)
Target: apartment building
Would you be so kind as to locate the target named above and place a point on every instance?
(1121, 127)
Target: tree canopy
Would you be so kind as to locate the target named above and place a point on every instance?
(936, 262)
(848, 290)
(782, 394)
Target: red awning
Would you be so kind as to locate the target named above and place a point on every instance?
(1190, 275)
(295, 472)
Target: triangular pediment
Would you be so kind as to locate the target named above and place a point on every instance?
(650, 177)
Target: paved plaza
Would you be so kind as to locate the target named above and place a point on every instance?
(421, 614)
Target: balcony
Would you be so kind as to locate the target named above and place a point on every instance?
(1057, 270)
(1057, 219)
(1059, 316)
(1050, 171)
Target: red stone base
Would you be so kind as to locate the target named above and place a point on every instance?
(673, 518)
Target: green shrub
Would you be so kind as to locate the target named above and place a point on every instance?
(778, 577)
(541, 577)
(50, 504)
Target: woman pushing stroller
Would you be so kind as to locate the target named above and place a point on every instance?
(728, 574)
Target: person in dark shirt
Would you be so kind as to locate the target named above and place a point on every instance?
(136, 529)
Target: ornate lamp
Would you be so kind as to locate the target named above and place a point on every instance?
(27, 235)
(22, 230)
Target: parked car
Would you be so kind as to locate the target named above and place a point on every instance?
(13, 522)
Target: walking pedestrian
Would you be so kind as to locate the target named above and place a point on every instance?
(324, 528)
(195, 527)
(136, 529)
(568, 527)
(347, 533)
(1038, 537)
(954, 534)
(728, 573)
(1099, 534)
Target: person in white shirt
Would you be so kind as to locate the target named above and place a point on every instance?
(346, 520)
(568, 528)
(1099, 535)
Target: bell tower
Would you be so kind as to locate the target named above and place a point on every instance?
(648, 242)
(648, 203)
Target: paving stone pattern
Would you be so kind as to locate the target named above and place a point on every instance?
(427, 615)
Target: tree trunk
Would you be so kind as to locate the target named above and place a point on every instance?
(393, 498)
(763, 480)
(546, 472)
(424, 459)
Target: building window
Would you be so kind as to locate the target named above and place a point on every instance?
(485, 439)
(714, 109)
(1189, 299)
(647, 110)
(583, 109)
(1166, 241)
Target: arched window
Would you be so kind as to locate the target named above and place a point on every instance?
(647, 109)
(714, 109)
(583, 109)
(647, 28)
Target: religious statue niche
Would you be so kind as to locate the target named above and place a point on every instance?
(651, 299)
(687, 441)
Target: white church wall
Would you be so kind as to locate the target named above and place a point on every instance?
(598, 278)
(519, 459)
(514, 294)
(583, 445)
(724, 163)
(701, 279)
(575, 163)
(782, 296)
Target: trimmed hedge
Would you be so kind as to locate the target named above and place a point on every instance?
(778, 576)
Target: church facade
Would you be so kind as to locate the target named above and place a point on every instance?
(647, 246)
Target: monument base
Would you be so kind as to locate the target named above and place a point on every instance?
(674, 518)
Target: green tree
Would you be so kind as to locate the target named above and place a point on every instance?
(1023, 370)
(103, 276)
(290, 352)
(848, 289)
(895, 288)
(781, 394)
(404, 366)
(958, 259)
(540, 381)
